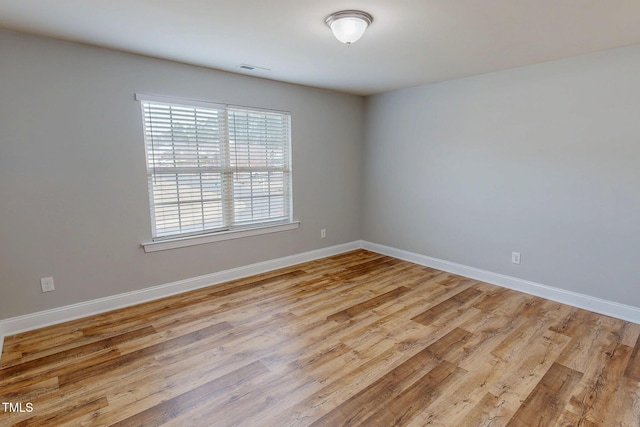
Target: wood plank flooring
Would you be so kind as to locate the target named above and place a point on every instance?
(354, 339)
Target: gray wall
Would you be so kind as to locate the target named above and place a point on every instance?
(73, 191)
(542, 160)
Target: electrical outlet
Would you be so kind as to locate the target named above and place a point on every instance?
(515, 257)
(46, 283)
(323, 233)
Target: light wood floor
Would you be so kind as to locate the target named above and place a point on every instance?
(354, 339)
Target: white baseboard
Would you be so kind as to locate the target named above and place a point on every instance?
(597, 305)
(41, 319)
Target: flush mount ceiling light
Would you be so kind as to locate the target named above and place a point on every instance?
(348, 25)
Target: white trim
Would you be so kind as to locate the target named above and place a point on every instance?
(62, 314)
(75, 311)
(162, 245)
(598, 305)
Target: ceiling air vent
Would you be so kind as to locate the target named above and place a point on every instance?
(248, 67)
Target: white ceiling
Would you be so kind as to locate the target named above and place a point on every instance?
(410, 42)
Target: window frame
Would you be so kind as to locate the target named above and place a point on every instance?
(228, 179)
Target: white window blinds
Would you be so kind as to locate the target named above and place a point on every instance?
(214, 167)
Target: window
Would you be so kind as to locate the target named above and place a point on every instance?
(214, 168)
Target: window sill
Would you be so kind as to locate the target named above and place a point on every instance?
(164, 245)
